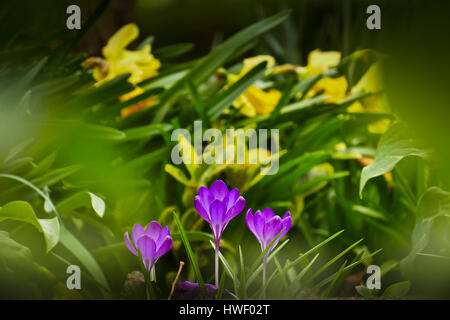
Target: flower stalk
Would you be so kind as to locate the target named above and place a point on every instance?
(217, 263)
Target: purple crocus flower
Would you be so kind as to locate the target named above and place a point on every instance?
(152, 242)
(218, 206)
(265, 225)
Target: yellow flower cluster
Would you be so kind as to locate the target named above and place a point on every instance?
(319, 62)
(141, 64)
(255, 100)
(118, 60)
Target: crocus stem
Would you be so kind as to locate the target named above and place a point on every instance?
(153, 274)
(264, 274)
(217, 264)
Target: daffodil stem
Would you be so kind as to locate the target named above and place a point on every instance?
(217, 264)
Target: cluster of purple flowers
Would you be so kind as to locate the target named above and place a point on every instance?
(217, 206)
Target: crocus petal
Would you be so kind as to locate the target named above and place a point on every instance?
(165, 246)
(217, 210)
(259, 223)
(153, 230)
(137, 232)
(271, 229)
(267, 214)
(147, 248)
(219, 190)
(249, 221)
(164, 233)
(287, 222)
(231, 198)
(201, 210)
(205, 197)
(129, 245)
(235, 209)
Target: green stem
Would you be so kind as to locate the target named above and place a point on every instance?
(217, 263)
(264, 275)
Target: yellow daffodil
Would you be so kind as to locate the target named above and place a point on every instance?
(255, 100)
(319, 62)
(377, 103)
(140, 63)
(334, 88)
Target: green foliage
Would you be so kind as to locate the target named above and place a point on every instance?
(75, 174)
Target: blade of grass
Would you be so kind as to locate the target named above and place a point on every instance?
(227, 266)
(329, 263)
(190, 254)
(347, 268)
(259, 269)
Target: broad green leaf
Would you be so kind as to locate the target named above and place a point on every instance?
(55, 175)
(82, 199)
(12, 252)
(397, 290)
(394, 146)
(23, 212)
(69, 241)
(433, 207)
(364, 291)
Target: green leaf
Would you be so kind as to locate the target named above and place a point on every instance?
(173, 50)
(23, 212)
(82, 199)
(364, 291)
(178, 175)
(13, 254)
(54, 176)
(17, 88)
(208, 65)
(190, 254)
(224, 100)
(369, 212)
(433, 202)
(347, 268)
(146, 132)
(68, 240)
(335, 284)
(333, 260)
(227, 266)
(394, 146)
(242, 276)
(258, 270)
(315, 248)
(397, 290)
(433, 206)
